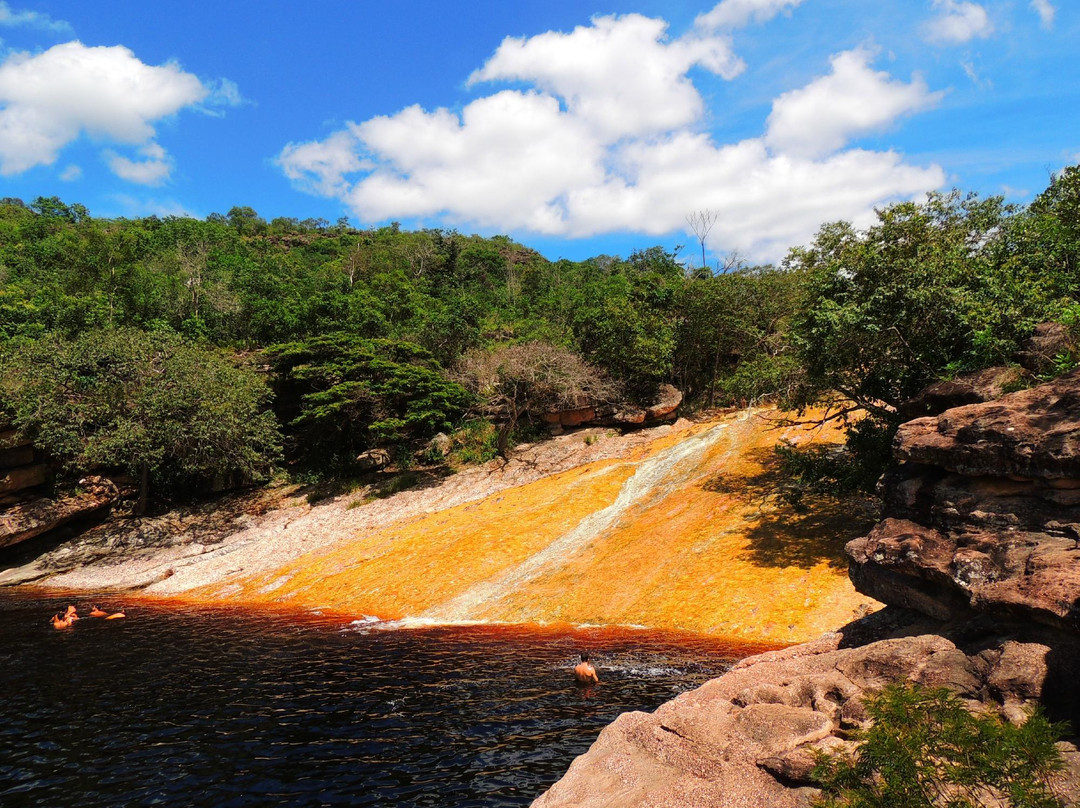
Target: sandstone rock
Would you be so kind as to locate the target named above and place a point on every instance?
(971, 388)
(29, 519)
(373, 460)
(16, 456)
(794, 766)
(1038, 352)
(441, 444)
(667, 401)
(23, 477)
(1030, 434)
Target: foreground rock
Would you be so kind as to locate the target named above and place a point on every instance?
(978, 557)
(749, 737)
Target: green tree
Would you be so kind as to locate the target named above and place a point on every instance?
(342, 394)
(168, 411)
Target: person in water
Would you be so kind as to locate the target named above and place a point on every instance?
(71, 614)
(61, 621)
(585, 673)
(96, 612)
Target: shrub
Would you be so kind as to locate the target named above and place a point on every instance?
(926, 750)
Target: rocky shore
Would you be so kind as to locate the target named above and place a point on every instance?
(978, 560)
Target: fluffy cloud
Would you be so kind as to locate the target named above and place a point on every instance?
(1046, 12)
(582, 153)
(154, 169)
(852, 100)
(619, 75)
(71, 173)
(739, 13)
(49, 99)
(31, 19)
(958, 22)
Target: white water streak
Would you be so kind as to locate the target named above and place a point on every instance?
(645, 481)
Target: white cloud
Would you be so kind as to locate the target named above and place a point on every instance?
(71, 173)
(1046, 11)
(739, 13)
(959, 22)
(579, 155)
(50, 99)
(153, 170)
(319, 167)
(619, 74)
(31, 19)
(852, 100)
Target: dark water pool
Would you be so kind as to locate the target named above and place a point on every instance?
(182, 706)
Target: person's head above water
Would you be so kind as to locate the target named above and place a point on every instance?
(584, 657)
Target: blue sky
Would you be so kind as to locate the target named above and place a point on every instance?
(577, 128)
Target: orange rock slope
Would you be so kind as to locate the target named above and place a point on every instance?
(681, 534)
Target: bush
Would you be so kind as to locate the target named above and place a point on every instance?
(169, 411)
(926, 750)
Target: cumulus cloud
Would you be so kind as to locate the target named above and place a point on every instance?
(958, 22)
(71, 173)
(576, 153)
(619, 75)
(853, 99)
(49, 99)
(1046, 11)
(319, 167)
(32, 19)
(153, 169)
(739, 13)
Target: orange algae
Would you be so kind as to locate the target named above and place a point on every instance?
(676, 536)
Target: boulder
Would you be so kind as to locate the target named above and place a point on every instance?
(1039, 351)
(970, 388)
(667, 401)
(1028, 434)
(35, 517)
(22, 477)
(373, 460)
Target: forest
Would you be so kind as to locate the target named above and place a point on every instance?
(181, 351)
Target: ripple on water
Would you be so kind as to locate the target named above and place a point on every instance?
(216, 706)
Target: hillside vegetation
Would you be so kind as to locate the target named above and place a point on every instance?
(180, 350)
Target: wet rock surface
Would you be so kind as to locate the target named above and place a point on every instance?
(978, 559)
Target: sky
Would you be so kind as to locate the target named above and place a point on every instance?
(577, 128)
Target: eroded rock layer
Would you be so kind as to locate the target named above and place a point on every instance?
(978, 560)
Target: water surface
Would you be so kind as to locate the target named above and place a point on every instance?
(178, 706)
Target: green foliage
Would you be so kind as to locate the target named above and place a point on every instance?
(838, 471)
(343, 394)
(153, 404)
(474, 443)
(926, 750)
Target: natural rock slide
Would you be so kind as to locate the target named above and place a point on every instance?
(978, 557)
(667, 528)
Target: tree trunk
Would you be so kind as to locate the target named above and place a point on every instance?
(144, 490)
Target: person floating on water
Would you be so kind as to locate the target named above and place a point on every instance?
(96, 612)
(585, 673)
(117, 615)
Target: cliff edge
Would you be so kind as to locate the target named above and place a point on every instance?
(978, 560)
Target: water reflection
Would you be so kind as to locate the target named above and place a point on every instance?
(183, 706)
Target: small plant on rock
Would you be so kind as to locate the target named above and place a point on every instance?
(926, 750)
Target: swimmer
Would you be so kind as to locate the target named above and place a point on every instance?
(117, 615)
(585, 673)
(71, 614)
(96, 612)
(60, 622)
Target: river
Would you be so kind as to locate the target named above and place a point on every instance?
(181, 705)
